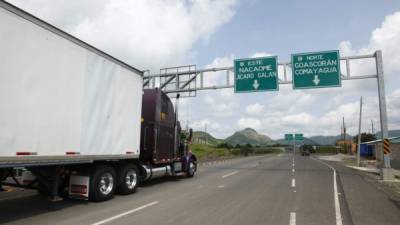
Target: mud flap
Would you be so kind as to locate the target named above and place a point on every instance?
(79, 187)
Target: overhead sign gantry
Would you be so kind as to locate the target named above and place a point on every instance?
(189, 80)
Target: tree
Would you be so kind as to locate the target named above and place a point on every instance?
(365, 137)
(246, 149)
(224, 145)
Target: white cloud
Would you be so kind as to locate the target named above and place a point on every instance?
(346, 48)
(393, 110)
(201, 125)
(146, 34)
(385, 38)
(260, 54)
(218, 78)
(254, 109)
(249, 123)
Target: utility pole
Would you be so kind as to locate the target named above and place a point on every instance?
(372, 128)
(359, 135)
(344, 137)
(205, 133)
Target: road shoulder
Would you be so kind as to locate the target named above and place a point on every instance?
(369, 201)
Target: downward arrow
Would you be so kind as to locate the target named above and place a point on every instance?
(256, 84)
(316, 80)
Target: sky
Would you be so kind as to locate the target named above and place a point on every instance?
(153, 34)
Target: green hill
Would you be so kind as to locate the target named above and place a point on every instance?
(205, 138)
(249, 136)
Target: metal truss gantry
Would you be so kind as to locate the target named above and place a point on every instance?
(187, 80)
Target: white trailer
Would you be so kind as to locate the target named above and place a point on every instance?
(64, 102)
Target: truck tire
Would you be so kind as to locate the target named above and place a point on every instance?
(102, 183)
(128, 178)
(191, 169)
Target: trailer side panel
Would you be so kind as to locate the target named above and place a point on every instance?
(58, 98)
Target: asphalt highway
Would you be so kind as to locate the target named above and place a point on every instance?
(273, 189)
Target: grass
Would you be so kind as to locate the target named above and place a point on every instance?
(204, 152)
(326, 149)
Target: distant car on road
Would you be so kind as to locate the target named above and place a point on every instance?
(305, 151)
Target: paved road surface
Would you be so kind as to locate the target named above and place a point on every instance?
(274, 189)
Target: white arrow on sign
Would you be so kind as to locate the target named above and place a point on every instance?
(256, 84)
(316, 80)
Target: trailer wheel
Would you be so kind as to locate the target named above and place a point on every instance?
(102, 183)
(127, 179)
(192, 167)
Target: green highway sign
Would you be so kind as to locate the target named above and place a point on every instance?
(298, 137)
(256, 74)
(288, 137)
(316, 70)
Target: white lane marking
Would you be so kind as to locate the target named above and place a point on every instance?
(293, 182)
(292, 220)
(293, 170)
(294, 191)
(125, 213)
(335, 194)
(221, 186)
(229, 174)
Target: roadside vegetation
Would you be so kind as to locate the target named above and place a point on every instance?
(327, 149)
(320, 149)
(225, 150)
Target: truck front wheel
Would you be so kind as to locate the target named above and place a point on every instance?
(127, 179)
(192, 167)
(102, 183)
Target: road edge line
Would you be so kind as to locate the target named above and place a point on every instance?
(338, 214)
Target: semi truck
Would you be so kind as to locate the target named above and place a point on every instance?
(75, 121)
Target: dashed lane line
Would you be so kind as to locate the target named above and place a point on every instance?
(229, 174)
(125, 213)
(292, 220)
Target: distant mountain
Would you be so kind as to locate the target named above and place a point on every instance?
(306, 141)
(392, 133)
(203, 137)
(249, 136)
(328, 140)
